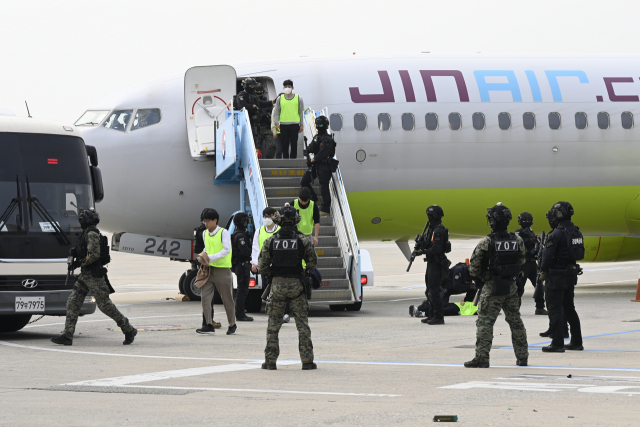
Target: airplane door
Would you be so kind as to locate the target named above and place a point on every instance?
(208, 93)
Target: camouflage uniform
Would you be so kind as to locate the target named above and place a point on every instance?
(97, 286)
(287, 290)
(490, 305)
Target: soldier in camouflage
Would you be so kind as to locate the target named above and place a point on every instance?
(92, 279)
(496, 261)
(281, 257)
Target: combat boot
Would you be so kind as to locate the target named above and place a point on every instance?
(549, 334)
(574, 347)
(475, 363)
(129, 336)
(62, 340)
(308, 366)
(435, 321)
(553, 349)
(522, 362)
(269, 366)
(207, 329)
(426, 319)
(541, 312)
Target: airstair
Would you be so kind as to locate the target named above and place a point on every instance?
(216, 130)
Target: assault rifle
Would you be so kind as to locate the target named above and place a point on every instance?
(539, 282)
(70, 265)
(419, 246)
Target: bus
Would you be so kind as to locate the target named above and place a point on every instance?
(47, 175)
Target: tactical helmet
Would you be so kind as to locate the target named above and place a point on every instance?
(525, 219)
(322, 123)
(246, 83)
(87, 218)
(435, 212)
(259, 89)
(499, 216)
(241, 220)
(288, 216)
(561, 211)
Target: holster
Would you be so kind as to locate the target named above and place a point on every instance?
(501, 286)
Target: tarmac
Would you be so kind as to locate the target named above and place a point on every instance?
(376, 367)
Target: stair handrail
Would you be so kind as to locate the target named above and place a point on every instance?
(243, 118)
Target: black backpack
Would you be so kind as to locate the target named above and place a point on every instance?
(575, 243)
(460, 277)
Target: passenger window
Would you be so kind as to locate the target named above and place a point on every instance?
(118, 120)
(554, 120)
(335, 121)
(504, 121)
(431, 121)
(627, 120)
(581, 120)
(529, 121)
(384, 122)
(360, 122)
(455, 121)
(478, 121)
(146, 117)
(603, 120)
(408, 121)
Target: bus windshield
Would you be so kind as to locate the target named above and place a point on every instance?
(43, 178)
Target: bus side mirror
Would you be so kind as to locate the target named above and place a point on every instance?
(96, 184)
(93, 155)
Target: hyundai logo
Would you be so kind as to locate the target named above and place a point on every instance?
(29, 283)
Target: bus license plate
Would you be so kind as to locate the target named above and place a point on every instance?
(29, 304)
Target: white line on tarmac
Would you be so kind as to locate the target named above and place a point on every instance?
(250, 390)
(345, 362)
(42, 325)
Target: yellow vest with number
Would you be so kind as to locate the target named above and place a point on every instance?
(264, 235)
(289, 109)
(214, 246)
(305, 226)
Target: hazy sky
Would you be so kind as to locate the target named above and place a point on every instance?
(63, 56)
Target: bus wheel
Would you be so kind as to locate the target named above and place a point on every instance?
(181, 282)
(189, 286)
(253, 304)
(14, 322)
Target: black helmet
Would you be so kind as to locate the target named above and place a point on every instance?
(87, 218)
(499, 216)
(322, 123)
(249, 84)
(561, 211)
(241, 220)
(259, 89)
(288, 216)
(435, 213)
(525, 219)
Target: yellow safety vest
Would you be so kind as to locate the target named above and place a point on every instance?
(305, 226)
(214, 246)
(289, 110)
(468, 309)
(264, 235)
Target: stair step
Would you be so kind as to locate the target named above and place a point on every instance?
(283, 163)
(331, 294)
(291, 192)
(327, 251)
(333, 273)
(278, 201)
(329, 262)
(294, 181)
(328, 241)
(333, 284)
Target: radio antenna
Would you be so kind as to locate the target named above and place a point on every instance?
(28, 113)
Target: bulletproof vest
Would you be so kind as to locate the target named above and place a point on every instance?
(530, 240)
(105, 257)
(446, 244)
(241, 247)
(460, 277)
(574, 249)
(198, 245)
(287, 253)
(504, 254)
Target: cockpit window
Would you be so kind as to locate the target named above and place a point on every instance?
(118, 120)
(146, 117)
(92, 118)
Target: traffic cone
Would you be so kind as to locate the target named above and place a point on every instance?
(637, 292)
(466, 261)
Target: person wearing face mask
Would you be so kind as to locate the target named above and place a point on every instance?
(309, 224)
(288, 115)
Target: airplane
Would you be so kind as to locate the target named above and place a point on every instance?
(412, 130)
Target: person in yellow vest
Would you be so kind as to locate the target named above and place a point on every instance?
(309, 224)
(288, 115)
(217, 246)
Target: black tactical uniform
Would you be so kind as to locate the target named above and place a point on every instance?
(247, 99)
(434, 246)
(563, 247)
(326, 150)
(241, 263)
(530, 266)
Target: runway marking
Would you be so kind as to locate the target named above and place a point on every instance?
(111, 320)
(555, 387)
(346, 362)
(129, 380)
